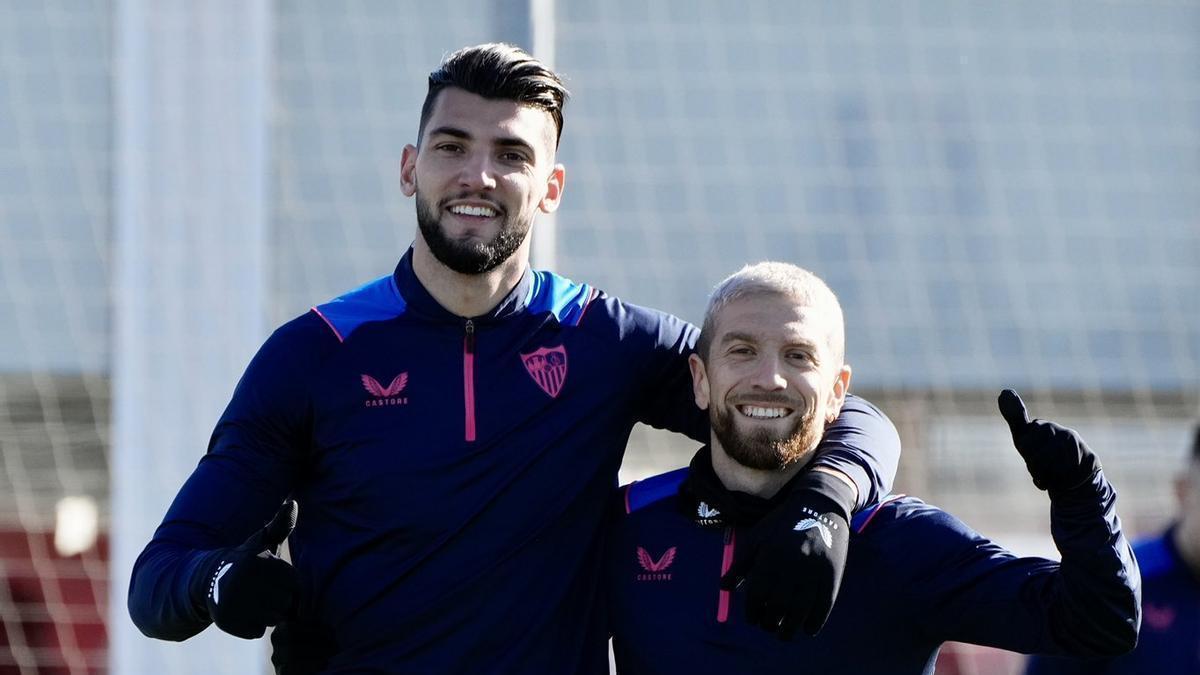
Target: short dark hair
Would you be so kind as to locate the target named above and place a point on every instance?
(498, 71)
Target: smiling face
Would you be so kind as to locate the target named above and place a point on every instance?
(484, 168)
(770, 379)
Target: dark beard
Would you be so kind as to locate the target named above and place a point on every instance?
(468, 257)
(759, 449)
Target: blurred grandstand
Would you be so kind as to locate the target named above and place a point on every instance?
(1002, 194)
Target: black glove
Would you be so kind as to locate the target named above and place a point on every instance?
(249, 587)
(797, 552)
(300, 648)
(1057, 458)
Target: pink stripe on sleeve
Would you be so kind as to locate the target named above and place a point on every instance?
(591, 296)
(330, 324)
(876, 512)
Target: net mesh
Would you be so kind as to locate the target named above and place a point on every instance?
(54, 309)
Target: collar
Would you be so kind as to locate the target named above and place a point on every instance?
(706, 500)
(419, 301)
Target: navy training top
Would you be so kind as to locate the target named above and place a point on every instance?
(452, 474)
(915, 577)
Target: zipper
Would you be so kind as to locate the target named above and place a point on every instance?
(469, 378)
(726, 563)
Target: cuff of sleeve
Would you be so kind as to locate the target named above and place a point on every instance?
(200, 570)
(861, 479)
(835, 490)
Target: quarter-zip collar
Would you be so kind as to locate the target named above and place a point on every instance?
(705, 499)
(419, 301)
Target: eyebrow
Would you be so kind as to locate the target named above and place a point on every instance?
(514, 142)
(738, 336)
(735, 336)
(450, 131)
(503, 141)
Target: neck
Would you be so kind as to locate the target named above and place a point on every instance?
(467, 295)
(758, 482)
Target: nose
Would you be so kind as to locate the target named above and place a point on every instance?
(478, 172)
(768, 374)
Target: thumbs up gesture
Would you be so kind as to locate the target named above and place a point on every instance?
(251, 587)
(1057, 458)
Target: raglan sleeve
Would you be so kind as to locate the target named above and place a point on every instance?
(1087, 606)
(253, 460)
(655, 347)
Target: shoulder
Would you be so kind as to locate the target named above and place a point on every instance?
(908, 518)
(1157, 556)
(299, 340)
(377, 300)
(659, 490)
(570, 301)
(567, 301)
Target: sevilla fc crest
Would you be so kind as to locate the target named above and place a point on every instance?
(548, 367)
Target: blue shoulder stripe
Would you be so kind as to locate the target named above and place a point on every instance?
(860, 520)
(1154, 556)
(560, 296)
(377, 300)
(643, 493)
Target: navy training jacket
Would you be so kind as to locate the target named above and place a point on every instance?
(1169, 643)
(915, 577)
(452, 474)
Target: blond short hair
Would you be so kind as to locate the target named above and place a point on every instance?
(776, 278)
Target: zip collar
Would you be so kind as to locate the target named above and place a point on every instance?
(419, 301)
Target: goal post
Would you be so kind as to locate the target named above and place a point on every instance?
(192, 92)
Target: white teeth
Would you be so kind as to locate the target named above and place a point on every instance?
(766, 413)
(465, 210)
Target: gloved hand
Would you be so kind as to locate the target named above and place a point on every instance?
(300, 648)
(1057, 458)
(797, 553)
(249, 587)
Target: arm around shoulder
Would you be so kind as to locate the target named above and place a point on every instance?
(863, 445)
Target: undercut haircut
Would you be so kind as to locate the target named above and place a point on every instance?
(499, 71)
(778, 279)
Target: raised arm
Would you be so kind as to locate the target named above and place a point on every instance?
(218, 516)
(1087, 606)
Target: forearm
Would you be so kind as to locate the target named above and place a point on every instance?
(861, 445)
(1087, 606)
(162, 600)
(1096, 604)
(214, 510)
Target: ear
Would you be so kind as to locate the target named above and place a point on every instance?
(699, 381)
(554, 187)
(837, 394)
(408, 171)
